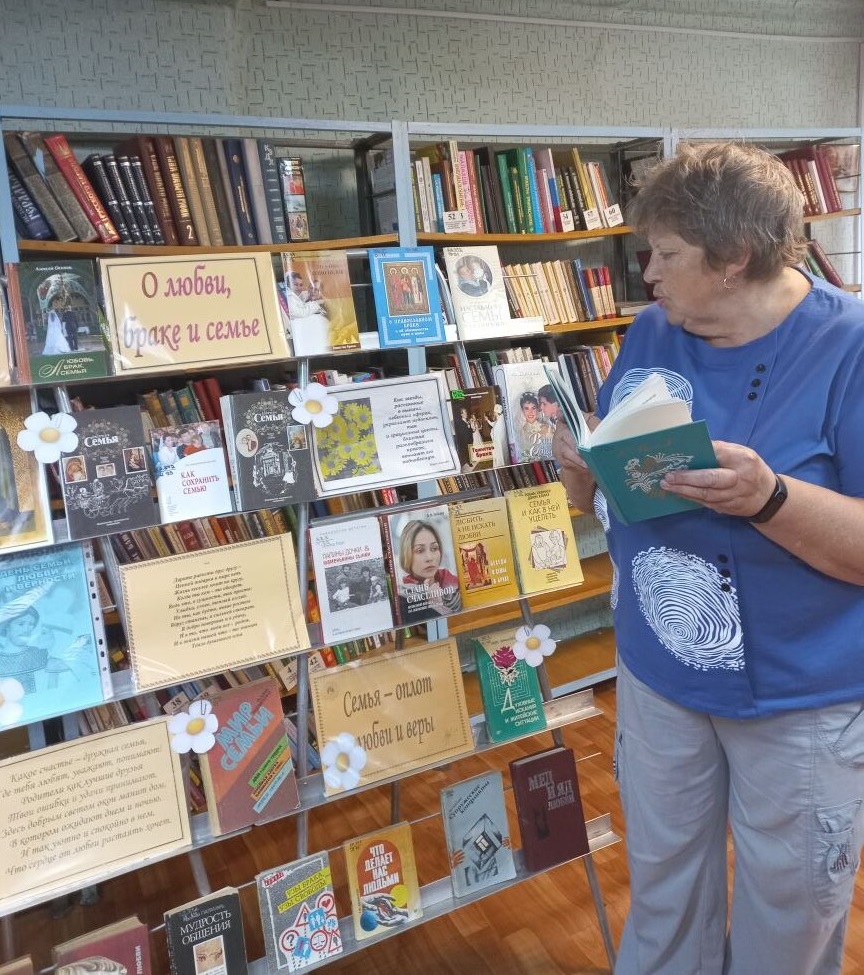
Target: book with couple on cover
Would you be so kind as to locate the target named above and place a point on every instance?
(644, 436)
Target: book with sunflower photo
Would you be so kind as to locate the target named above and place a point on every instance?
(385, 432)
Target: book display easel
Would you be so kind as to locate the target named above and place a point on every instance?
(193, 594)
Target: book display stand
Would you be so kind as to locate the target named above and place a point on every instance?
(394, 165)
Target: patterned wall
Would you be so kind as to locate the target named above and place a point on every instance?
(244, 57)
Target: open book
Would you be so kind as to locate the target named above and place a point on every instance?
(644, 436)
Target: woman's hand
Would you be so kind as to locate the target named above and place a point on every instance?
(578, 481)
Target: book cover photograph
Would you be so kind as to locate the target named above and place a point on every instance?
(350, 579)
(56, 307)
(421, 551)
(531, 408)
(543, 537)
(645, 434)
(382, 880)
(509, 688)
(485, 562)
(191, 471)
(115, 948)
(478, 835)
(479, 428)
(316, 301)
(205, 936)
(248, 775)
(106, 481)
(50, 660)
(407, 303)
(386, 432)
(25, 514)
(298, 913)
(549, 808)
(268, 453)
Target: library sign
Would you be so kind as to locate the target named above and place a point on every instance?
(202, 310)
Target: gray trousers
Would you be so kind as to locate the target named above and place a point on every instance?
(790, 788)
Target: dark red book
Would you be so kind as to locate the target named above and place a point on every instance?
(126, 944)
(81, 187)
(549, 808)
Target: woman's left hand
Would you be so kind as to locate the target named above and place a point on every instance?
(740, 485)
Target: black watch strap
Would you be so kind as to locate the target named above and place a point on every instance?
(773, 504)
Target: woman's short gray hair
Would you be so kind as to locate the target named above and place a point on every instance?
(730, 199)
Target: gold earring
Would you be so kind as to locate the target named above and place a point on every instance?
(727, 286)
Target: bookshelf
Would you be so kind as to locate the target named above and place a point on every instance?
(344, 147)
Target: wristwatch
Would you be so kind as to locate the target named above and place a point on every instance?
(773, 504)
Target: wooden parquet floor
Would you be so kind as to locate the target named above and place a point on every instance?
(545, 926)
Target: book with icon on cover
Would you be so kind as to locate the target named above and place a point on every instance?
(405, 288)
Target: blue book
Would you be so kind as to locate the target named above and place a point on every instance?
(407, 302)
(477, 832)
(50, 659)
(240, 192)
(438, 194)
(533, 192)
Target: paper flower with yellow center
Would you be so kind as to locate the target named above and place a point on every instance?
(193, 730)
(11, 692)
(48, 436)
(313, 404)
(532, 644)
(342, 761)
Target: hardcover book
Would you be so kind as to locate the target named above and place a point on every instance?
(485, 562)
(386, 432)
(56, 311)
(48, 645)
(350, 579)
(106, 481)
(268, 453)
(18, 966)
(543, 537)
(477, 833)
(298, 913)
(646, 434)
(549, 808)
(81, 188)
(38, 187)
(407, 303)
(529, 403)
(423, 560)
(191, 472)
(317, 305)
(479, 428)
(479, 297)
(248, 774)
(205, 936)
(382, 880)
(120, 947)
(25, 514)
(509, 688)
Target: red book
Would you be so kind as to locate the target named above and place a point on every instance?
(81, 187)
(126, 943)
(248, 774)
(549, 808)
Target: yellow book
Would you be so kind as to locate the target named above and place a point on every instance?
(543, 538)
(382, 880)
(484, 551)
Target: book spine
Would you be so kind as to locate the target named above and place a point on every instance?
(255, 188)
(134, 216)
(189, 179)
(506, 192)
(33, 225)
(174, 190)
(40, 192)
(205, 191)
(132, 176)
(81, 187)
(214, 161)
(233, 149)
(272, 191)
(149, 159)
(96, 169)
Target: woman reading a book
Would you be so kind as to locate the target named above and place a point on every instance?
(739, 622)
(428, 587)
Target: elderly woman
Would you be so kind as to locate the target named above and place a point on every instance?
(740, 625)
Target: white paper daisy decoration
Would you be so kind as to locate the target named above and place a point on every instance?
(193, 730)
(342, 761)
(313, 404)
(11, 692)
(48, 436)
(532, 644)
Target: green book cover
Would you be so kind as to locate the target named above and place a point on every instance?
(629, 471)
(506, 192)
(510, 689)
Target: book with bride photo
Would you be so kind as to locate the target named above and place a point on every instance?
(58, 321)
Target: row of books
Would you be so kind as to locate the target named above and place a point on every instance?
(297, 901)
(560, 291)
(157, 189)
(820, 264)
(813, 168)
(522, 190)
